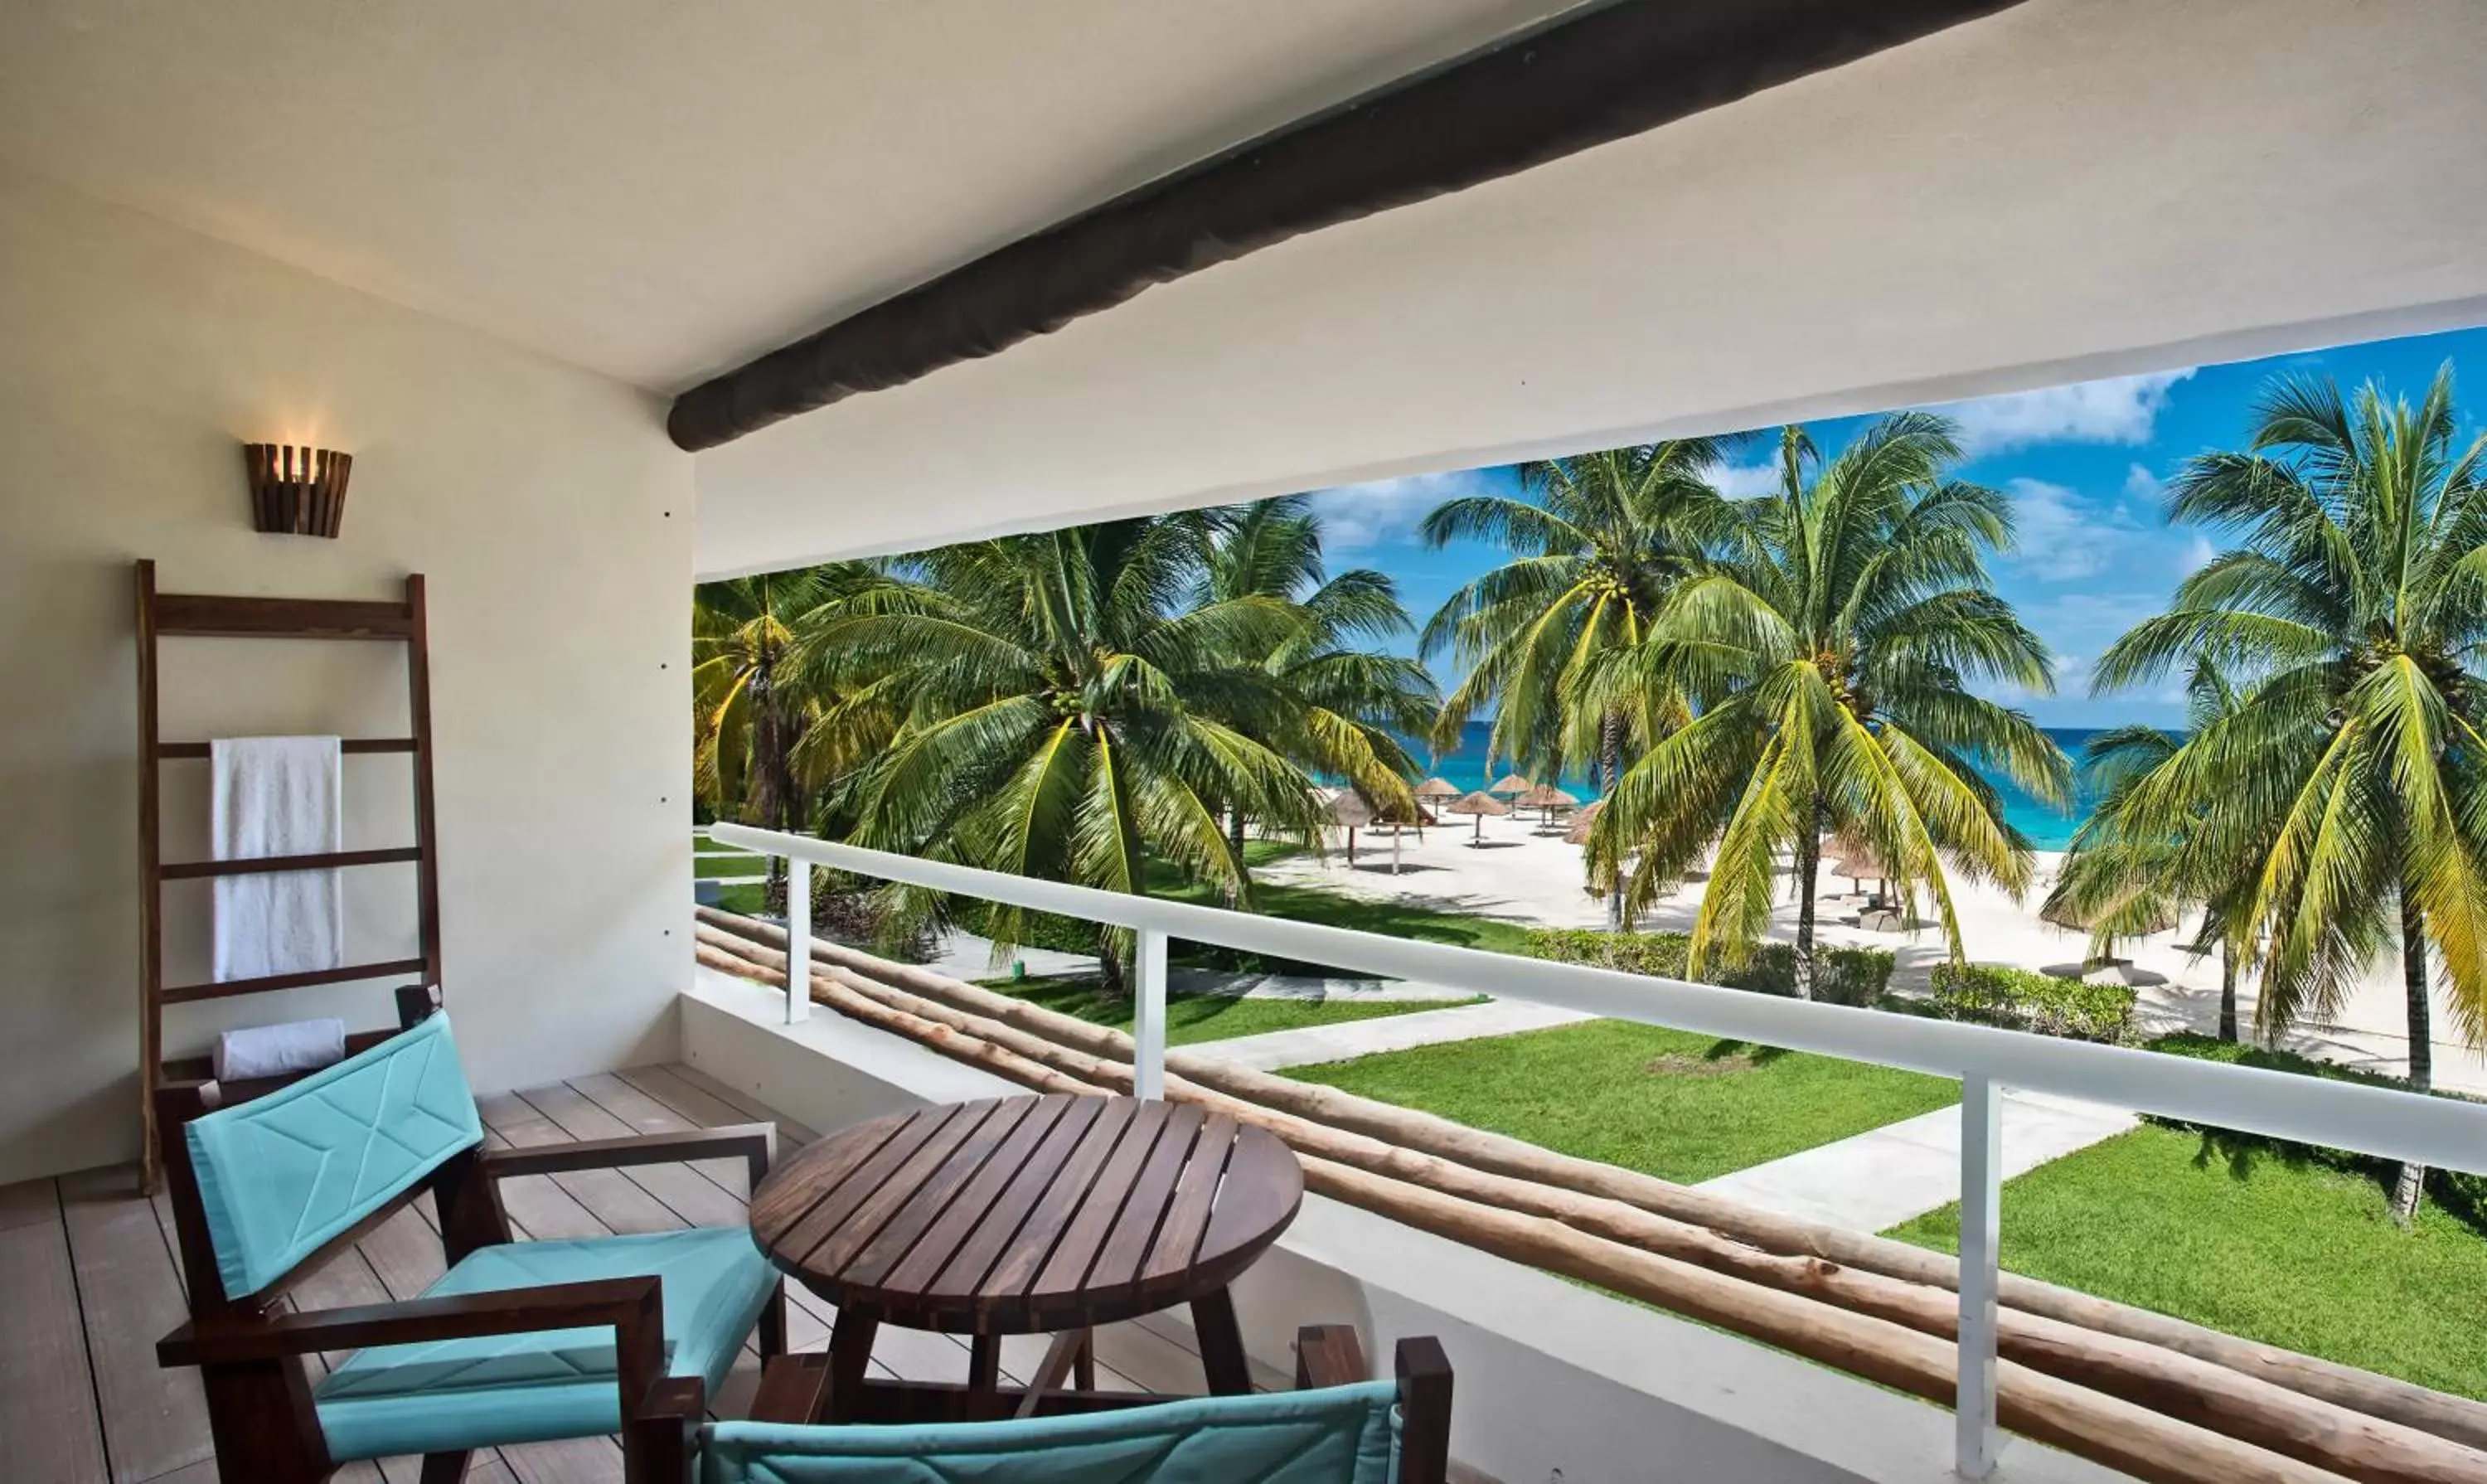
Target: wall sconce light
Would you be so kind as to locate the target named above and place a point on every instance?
(296, 491)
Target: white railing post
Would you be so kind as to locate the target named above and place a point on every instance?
(798, 940)
(1148, 1020)
(1981, 1231)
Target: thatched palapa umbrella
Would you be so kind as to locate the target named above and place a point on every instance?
(1578, 834)
(1548, 798)
(1509, 786)
(1480, 804)
(1437, 789)
(1860, 864)
(1348, 809)
(2135, 915)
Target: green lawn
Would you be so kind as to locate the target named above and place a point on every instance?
(1338, 910)
(2292, 1254)
(713, 863)
(1675, 1104)
(1196, 1018)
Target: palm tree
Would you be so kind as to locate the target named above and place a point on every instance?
(1830, 649)
(1070, 710)
(2353, 609)
(1598, 544)
(2121, 882)
(747, 719)
(1357, 700)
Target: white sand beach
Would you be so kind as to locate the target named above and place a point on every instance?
(1527, 875)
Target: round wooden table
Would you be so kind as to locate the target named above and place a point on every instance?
(1024, 1216)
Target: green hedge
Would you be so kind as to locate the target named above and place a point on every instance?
(1842, 976)
(2458, 1192)
(2018, 1000)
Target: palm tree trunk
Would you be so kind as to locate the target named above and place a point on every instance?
(1611, 747)
(1808, 870)
(2227, 994)
(2410, 1187)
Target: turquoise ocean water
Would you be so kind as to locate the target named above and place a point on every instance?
(2046, 828)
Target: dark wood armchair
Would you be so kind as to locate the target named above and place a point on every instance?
(493, 1353)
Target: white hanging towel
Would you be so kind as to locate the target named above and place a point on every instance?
(277, 796)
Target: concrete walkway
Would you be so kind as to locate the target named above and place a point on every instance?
(1318, 988)
(1310, 1044)
(1885, 1176)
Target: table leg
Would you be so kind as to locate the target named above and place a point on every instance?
(984, 1364)
(850, 1356)
(1084, 1369)
(1222, 1344)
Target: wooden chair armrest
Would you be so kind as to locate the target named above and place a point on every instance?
(1424, 1373)
(754, 1143)
(661, 1440)
(633, 1306)
(1328, 1356)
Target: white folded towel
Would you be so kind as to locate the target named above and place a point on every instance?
(277, 796)
(279, 1050)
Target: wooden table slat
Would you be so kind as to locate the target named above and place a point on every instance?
(888, 1221)
(941, 1240)
(1126, 1247)
(1263, 1188)
(1065, 1272)
(1187, 1218)
(1002, 1219)
(856, 1170)
(1047, 1228)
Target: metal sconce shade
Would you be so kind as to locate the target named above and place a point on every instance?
(296, 491)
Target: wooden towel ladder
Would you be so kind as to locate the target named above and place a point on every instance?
(177, 614)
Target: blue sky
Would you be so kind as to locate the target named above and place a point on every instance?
(2085, 465)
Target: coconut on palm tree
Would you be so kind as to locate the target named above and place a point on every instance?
(1597, 547)
(1832, 649)
(2353, 609)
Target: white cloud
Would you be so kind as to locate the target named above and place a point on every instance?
(1356, 517)
(2120, 410)
(2140, 485)
(2196, 555)
(1744, 481)
(2059, 537)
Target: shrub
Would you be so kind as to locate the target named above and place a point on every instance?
(1842, 976)
(2018, 1000)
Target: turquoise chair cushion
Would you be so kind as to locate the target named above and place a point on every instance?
(281, 1174)
(452, 1394)
(1338, 1435)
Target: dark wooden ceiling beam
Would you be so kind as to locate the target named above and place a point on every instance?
(1605, 75)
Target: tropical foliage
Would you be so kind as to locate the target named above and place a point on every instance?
(1076, 704)
(2343, 796)
(1829, 645)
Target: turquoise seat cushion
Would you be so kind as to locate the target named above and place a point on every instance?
(1338, 1435)
(450, 1394)
(281, 1174)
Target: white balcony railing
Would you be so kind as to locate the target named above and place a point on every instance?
(2370, 1120)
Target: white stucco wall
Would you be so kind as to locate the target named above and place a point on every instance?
(554, 524)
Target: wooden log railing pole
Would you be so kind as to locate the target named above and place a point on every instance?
(1981, 1198)
(2364, 1393)
(2174, 1386)
(1148, 1018)
(2121, 1434)
(799, 929)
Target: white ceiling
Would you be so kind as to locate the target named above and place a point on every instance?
(658, 190)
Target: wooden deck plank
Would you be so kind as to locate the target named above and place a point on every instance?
(694, 1094)
(547, 1208)
(645, 1114)
(47, 1401)
(154, 1420)
(694, 1199)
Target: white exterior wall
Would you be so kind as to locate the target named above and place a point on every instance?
(553, 523)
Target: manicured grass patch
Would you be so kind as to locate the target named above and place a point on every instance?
(1674, 1104)
(1338, 910)
(2289, 1253)
(1195, 1018)
(745, 901)
(709, 865)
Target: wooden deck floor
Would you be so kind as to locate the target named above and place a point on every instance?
(87, 1283)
